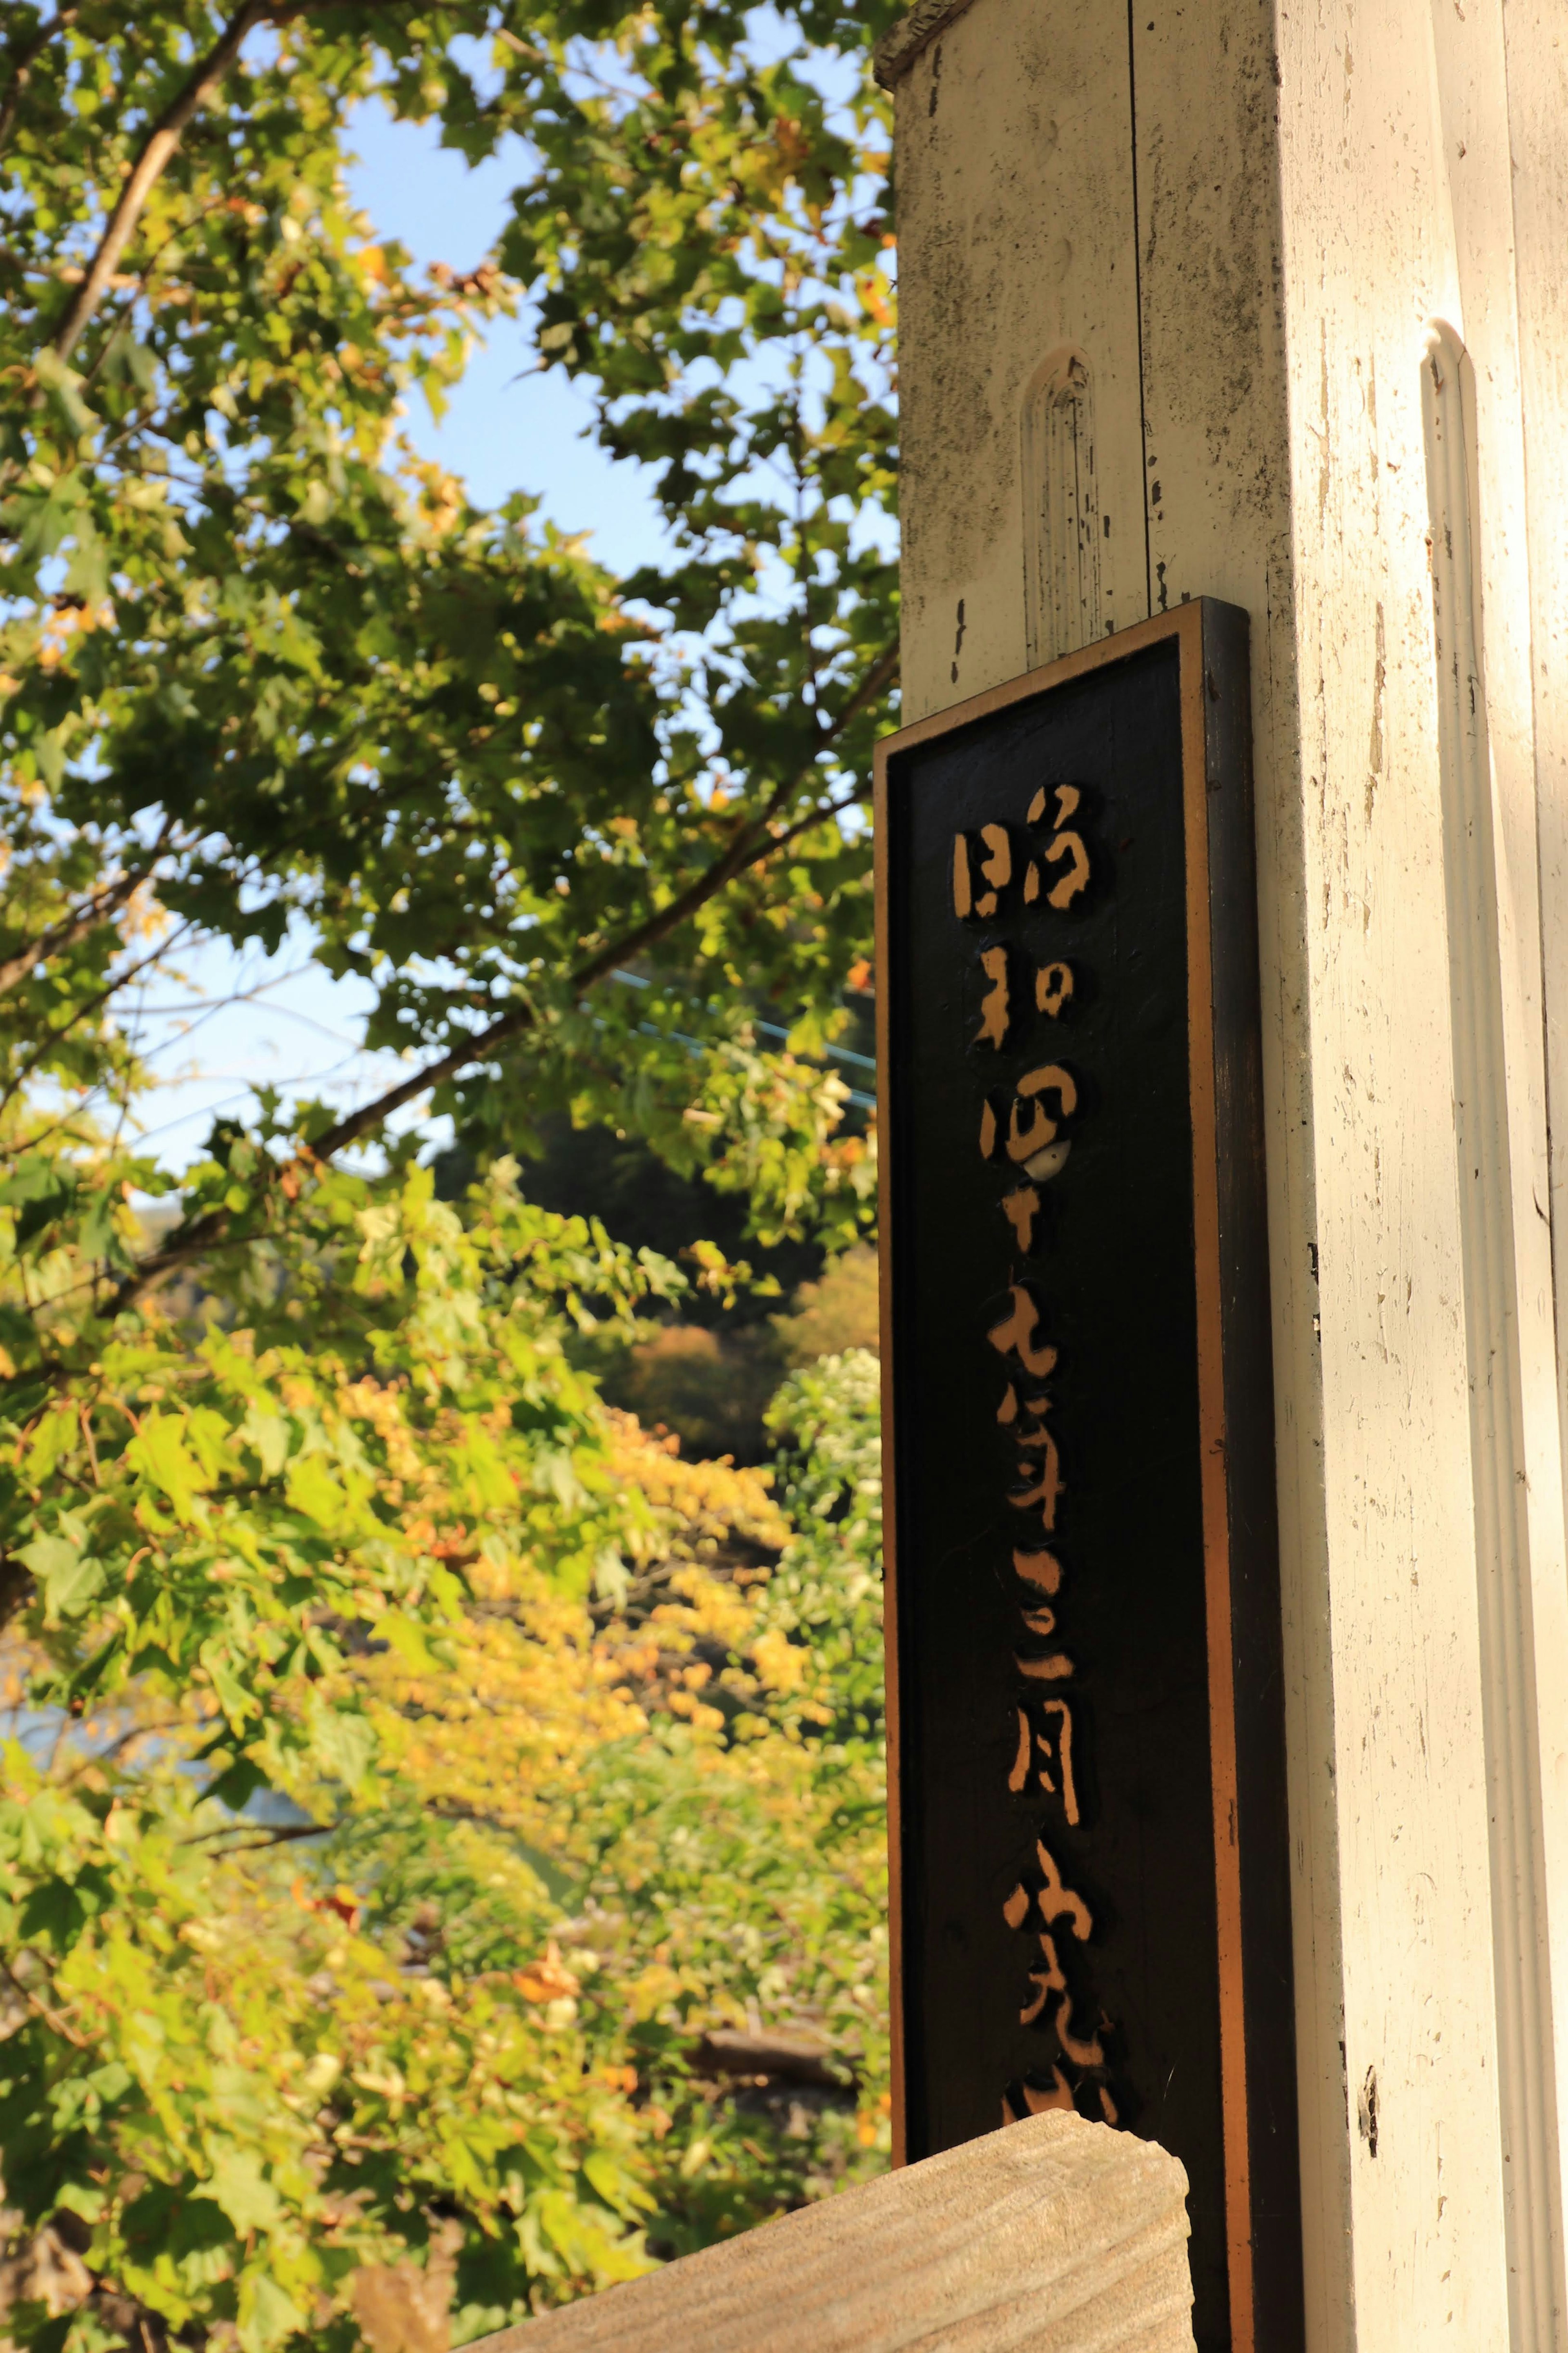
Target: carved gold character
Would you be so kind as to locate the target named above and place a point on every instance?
(1063, 844)
(1052, 986)
(1043, 1495)
(996, 871)
(1050, 1980)
(1059, 1707)
(1024, 1141)
(996, 867)
(1020, 1772)
(1076, 879)
(1016, 1333)
(1020, 1207)
(963, 894)
(1067, 799)
(1085, 2051)
(1015, 1910)
(1054, 1770)
(1047, 1472)
(1059, 1903)
(1039, 1568)
(994, 1005)
(1032, 1138)
(1054, 1668)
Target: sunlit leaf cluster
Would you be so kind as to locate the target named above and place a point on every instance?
(413, 1763)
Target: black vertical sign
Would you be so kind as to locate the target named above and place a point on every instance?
(1089, 1830)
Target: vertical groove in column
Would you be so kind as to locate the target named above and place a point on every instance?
(1064, 602)
(1124, 618)
(1496, 1449)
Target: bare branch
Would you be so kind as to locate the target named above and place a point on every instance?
(162, 140)
(31, 52)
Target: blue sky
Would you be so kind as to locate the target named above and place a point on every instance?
(507, 428)
(229, 1023)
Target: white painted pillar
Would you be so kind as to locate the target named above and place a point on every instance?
(1270, 302)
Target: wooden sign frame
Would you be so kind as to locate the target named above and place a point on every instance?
(1155, 726)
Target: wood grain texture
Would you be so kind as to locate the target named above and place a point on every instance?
(1536, 39)
(1020, 114)
(1054, 2236)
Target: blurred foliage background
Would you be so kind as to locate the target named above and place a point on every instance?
(441, 1811)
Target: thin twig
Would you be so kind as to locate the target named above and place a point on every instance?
(102, 1757)
(73, 928)
(161, 143)
(84, 1012)
(751, 846)
(41, 2008)
(251, 1846)
(139, 288)
(31, 52)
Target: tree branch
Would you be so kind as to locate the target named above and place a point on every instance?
(31, 52)
(15, 1588)
(86, 918)
(40, 2008)
(98, 1757)
(283, 1837)
(751, 845)
(881, 674)
(51, 1037)
(137, 290)
(160, 143)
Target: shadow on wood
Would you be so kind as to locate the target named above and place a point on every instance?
(1054, 2236)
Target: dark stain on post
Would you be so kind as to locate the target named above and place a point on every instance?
(1366, 2111)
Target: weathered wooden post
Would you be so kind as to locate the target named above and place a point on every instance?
(1061, 2238)
(1239, 327)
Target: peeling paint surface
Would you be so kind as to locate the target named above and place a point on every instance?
(1244, 214)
